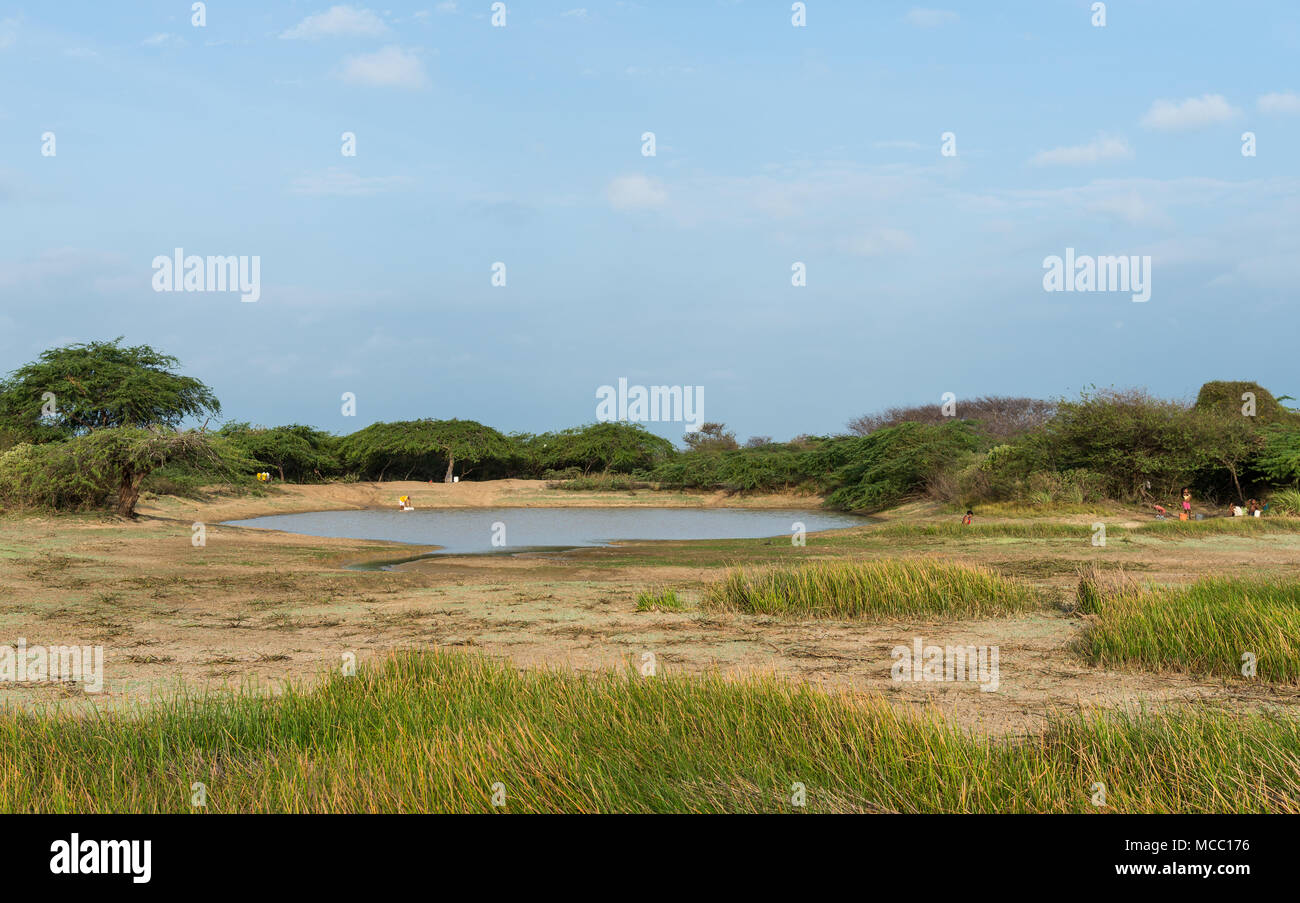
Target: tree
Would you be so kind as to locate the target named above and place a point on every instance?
(1141, 445)
(297, 452)
(711, 437)
(1231, 442)
(75, 389)
(611, 446)
(999, 417)
(425, 446)
(869, 473)
(1280, 458)
(104, 468)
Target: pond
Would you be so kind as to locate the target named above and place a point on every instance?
(467, 531)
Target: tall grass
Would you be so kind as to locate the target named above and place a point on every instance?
(1205, 628)
(1217, 526)
(436, 731)
(878, 589)
(1032, 530)
(1285, 501)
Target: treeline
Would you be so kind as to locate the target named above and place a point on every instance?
(1235, 441)
(93, 425)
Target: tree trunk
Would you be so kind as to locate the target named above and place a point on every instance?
(1237, 483)
(128, 493)
(451, 462)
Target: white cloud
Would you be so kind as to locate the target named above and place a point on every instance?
(391, 67)
(930, 18)
(1279, 102)
(162, 39)
(449, 6)
(635, 192)
(579, 13)
(335, 182)
(1192, 113)
(1100, 149)
(338, 21)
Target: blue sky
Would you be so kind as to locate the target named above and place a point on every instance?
(774, 144)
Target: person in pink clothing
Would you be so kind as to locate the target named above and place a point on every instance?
(1187, 503)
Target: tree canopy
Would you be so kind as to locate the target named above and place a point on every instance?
(611, 446)
(78, 388)
(297, 453)
(424, 447)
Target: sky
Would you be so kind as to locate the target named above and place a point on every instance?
(920, 163)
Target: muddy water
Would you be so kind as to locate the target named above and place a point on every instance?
(462, 531)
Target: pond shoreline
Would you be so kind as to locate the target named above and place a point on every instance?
(510, 529)
(310, 498)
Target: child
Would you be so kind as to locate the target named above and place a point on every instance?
(965, 521)
(1187, 504)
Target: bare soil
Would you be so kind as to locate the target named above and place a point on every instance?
(254, 607)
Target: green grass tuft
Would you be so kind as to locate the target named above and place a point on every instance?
(879, 589)
(660, 600)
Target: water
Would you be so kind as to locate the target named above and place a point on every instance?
(467, 531)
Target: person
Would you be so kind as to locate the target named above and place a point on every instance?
(1252, 508)
(965, 521)
(1236, 511)
(1187, 504)
(1160, 512)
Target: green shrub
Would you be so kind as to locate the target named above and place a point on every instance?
(104, 468)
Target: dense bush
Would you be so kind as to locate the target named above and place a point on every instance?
(998, 416)
(1279, 457)
(766, 468)
(296, 453)
(890, 465)
(105, 468)
(611, 447)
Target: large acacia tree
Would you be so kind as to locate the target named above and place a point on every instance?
(75, 389)
(611, 446)
(424, 447)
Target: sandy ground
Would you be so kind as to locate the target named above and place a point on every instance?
(258, 607)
